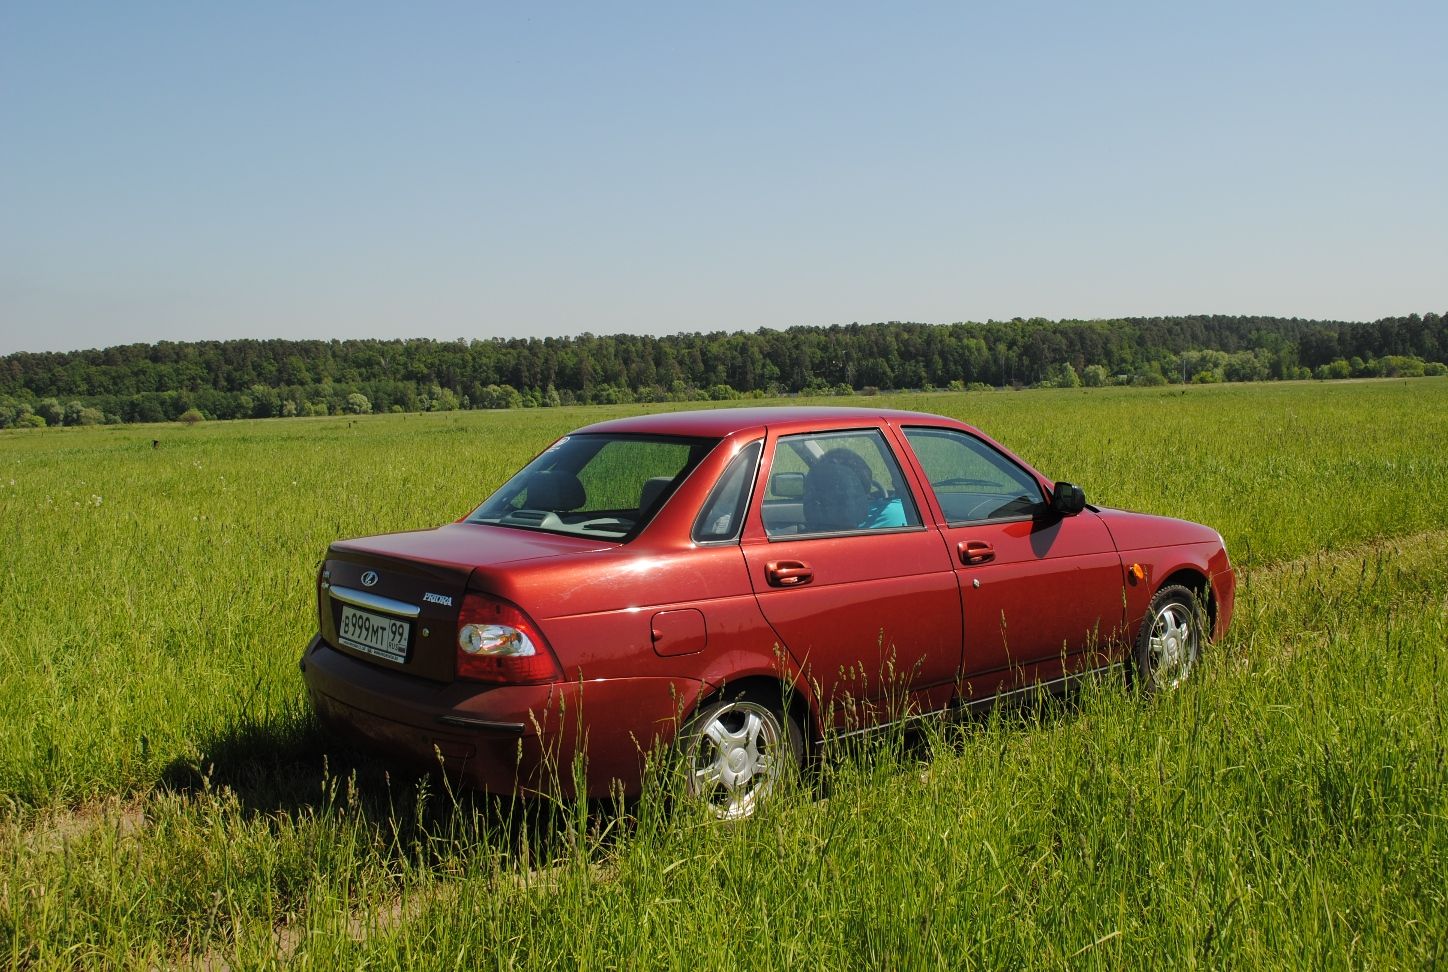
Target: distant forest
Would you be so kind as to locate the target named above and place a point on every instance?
(190, 381)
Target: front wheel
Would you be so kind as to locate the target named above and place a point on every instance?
(736, 752)
(1170, 639)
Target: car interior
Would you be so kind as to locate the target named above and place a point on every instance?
(835, 483)
(594, 486)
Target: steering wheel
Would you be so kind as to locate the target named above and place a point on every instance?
(983, 509)
(991, 507)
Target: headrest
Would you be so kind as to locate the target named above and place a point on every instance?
(834, 498)
(554, 490)
(653, 489)
(787, 485)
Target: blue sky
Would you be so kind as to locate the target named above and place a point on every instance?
(188, 171)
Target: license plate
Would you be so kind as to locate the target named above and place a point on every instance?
(375, 634)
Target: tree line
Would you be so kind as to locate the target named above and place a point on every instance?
(248, 378)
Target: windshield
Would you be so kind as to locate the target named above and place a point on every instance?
(595, 485)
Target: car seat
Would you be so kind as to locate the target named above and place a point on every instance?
(554, 490)
(835, 497)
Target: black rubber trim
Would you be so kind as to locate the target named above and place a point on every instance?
(466, 722)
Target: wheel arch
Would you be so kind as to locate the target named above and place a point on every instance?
(769, 685)
(1199, 584)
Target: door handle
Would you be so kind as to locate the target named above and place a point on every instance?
(788, 573)
(975, 551)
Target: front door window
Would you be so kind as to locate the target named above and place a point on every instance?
(971, 480)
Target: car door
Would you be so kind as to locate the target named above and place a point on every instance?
(1040, 594)
(859, 591)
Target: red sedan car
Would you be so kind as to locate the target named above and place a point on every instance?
(743, 582)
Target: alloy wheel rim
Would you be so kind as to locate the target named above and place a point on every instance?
(1173, 646)
(735, 760)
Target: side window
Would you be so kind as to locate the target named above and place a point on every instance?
(971, 480)
(836, 482)
(723, 512)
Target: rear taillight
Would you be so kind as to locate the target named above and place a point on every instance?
(498, 643)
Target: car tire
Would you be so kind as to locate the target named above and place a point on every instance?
(736, 751)
(1170, 640)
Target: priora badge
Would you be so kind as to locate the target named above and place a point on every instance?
(369, 578)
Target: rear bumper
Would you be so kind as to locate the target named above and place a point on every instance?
(509, 739)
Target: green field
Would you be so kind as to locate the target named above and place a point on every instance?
(166, 800)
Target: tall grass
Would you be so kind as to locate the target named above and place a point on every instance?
(169, 799)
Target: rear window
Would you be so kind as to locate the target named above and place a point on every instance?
(595, 485)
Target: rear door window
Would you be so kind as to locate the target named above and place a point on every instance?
(836, 482)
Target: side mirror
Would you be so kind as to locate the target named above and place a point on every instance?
(1067, 499)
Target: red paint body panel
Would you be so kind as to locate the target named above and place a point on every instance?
(877, 622)
(1166, 547)
(534, 729)
(1051, 590)
(861, 626)
(467, 543)
(679, 632)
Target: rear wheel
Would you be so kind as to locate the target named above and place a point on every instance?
(1170, 640)
(736, 751)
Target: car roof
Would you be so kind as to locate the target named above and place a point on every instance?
(719, 422)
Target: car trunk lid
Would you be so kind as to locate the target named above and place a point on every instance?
(393, 600)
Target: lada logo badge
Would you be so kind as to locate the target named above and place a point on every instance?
(369, 578)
